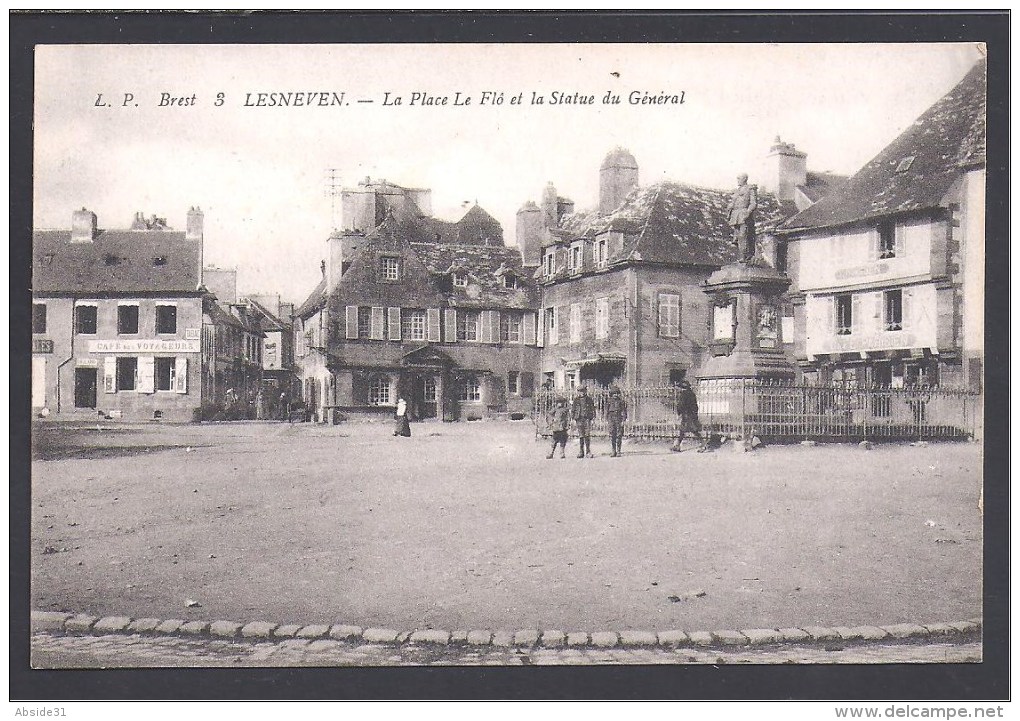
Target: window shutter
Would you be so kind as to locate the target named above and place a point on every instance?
(485, 327)
(554, 326)
(878, 313)
(394, 323)
(110, 374)
(450, 323)
(528, 328)
(833, 322)
(433, 327)
(527, 382)
(540, 328)
(908, 306)
(352, 323)
(876, 244)
(663, 315)
(898, 233)
(181, 374)
(376, 331)
(857, 322)
(495, 325)
(146, 374)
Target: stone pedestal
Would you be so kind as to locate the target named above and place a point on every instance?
(746, 340)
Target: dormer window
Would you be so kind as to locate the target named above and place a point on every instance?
(389, 268)
(601, 253)
(575, 260)
(460, 280)
(904, 165)
(510, 281)
(550, 261)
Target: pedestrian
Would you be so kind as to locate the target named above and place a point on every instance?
(403, 428)
(687, 409)
(559, 420)
(284, 407)
(616, 414)
(583, 413)
(230, 404)
(260, 405)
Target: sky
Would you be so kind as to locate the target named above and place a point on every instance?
(260, 174)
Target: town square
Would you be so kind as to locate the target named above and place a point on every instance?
(509, 356)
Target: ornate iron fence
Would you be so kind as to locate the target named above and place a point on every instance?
(787, 412)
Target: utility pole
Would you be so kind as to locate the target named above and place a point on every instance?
(333, 190)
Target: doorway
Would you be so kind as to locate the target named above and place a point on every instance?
(423, 397)
(85, 384)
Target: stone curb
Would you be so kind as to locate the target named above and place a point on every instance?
(313, 635)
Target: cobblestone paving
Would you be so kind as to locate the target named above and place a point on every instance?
(70, 651)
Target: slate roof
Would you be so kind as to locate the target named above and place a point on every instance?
(218, 316)
(947, 137)
(485, 267)
(268, 322)
(117, 261)
(674, 223)
(819, 185)
(315, 301)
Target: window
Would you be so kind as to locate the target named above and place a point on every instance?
(165, 371)
(460, 280)
(576, 258)
(412, 324)
(601, 253)
(904, 165)
(669, 315)
(470, 390)
(575, 323)
(364, 321)
(467, 325)
(887, 240)
(782, 255)
(85, 319)
(677, 376)
(389, 268)
(38, 317)
(429, 390)
(159, 260)
(550, 261)
(513, 383)
(510, 327)
(127, 319)
(844, 315)
(379, 391)
(510, 281)
(552, 331)
(893, 309)
(127, 373)
(601, 318)
(166, 319)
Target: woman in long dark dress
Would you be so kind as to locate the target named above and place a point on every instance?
(403, 428)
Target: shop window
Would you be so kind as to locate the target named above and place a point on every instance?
(38, 317)
(166, 319)
(86, 319)
(893, 309)
(165, 370)
(844, 314)
(379, 391)
(127, 373)
(467, 325)
(127, 319)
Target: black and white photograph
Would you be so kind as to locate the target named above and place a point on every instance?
(507, 354)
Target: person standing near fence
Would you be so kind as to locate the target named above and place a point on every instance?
(687, 409)
(583, 413)
(616, 414)
(559, 420)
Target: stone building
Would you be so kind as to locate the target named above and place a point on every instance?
(888, 271)
(440, 313)
(621, 285)
(117, 319)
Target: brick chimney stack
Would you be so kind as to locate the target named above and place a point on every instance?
(196, 222)
(785, 169)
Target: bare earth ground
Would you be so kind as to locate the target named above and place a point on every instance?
(468, 526)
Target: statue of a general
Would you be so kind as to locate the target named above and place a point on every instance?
(740, 215)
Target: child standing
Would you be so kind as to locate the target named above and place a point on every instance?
(559, 420)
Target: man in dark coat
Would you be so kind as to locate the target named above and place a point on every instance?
(616, 414)
(559, 419)
(583, 413)
(687, 409)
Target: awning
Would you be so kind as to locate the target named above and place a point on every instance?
(607, 358)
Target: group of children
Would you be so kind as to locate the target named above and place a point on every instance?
(582, 412)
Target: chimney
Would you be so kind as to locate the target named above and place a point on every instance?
(83, 226)
(530, 230)
(196, 223)
(785, 169)
(550, 214)
(138, 222)
(618, 176)
(333, 265)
